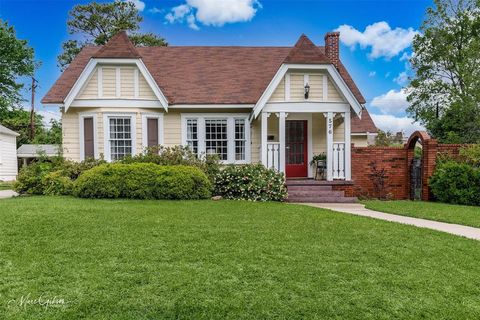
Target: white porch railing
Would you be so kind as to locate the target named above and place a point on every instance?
(338, 160)
(273, 155)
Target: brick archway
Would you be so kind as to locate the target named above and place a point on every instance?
(429, 154)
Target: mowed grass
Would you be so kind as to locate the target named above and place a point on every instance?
(226, 260)
(465, 215)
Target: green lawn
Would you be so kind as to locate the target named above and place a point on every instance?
(226, 260)
(469, 216)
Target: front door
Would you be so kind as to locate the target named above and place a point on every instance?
(296, 149)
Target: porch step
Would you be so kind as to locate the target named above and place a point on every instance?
(323, 199)
(314, 193)
(309, 190)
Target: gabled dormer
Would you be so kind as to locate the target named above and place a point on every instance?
(116, 76)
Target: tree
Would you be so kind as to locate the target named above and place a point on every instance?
(98, 22)
(444, 94)
(386, 138)
(16, 60)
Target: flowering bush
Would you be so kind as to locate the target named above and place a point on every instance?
(251, 182)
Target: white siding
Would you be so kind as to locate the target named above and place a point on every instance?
(8, 157)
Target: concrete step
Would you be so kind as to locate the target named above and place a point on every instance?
(323, 199)
(308, 188)
(315, 193)
(304, 182)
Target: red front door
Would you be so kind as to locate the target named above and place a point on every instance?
(296, 148)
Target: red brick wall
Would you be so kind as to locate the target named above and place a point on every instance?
(396, 162)
(393, 160)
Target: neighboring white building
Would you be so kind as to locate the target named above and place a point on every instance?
(8, 154)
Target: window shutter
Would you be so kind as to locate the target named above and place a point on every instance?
(88, 137)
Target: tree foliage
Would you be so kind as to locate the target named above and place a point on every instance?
(444, 95)
(16, 60)
(98, 22)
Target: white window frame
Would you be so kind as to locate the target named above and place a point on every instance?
(81, 118)
(230, 117)
(106, 132)
(145, 117)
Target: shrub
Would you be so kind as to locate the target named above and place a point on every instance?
(177, 155)
(251, 182)
(31, 179)
(56, 183)
(143, 181)
(457, 183)
(471, 155)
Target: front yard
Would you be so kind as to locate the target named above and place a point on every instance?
(128, 259)
(465, 215)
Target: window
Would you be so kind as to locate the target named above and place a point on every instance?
(120, 137)
(216, 140)
(240, 139)
(192, 135)
(225, 135)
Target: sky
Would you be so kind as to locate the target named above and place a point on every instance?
(375, 37)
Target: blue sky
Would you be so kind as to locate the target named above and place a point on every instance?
(376, 36)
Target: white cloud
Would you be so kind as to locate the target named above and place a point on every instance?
(155, 10)
(392, 102)
(402, 78)
(47, 113)
(372, 74)
(213, 12)
(388, 122)
(140, 5)
(383, 40)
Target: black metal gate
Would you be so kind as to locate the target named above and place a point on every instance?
(416, 179)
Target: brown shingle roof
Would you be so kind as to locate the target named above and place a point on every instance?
(305, 51)
(119, 46)
(365, 124)
(203, 75)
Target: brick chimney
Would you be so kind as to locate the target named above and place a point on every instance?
(332, 48)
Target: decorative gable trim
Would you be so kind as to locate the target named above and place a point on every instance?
(332, 71)
(90, 68)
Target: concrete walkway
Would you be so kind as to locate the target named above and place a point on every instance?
(7, 194)
(360, 210)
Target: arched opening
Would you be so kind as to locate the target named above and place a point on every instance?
(416, 161)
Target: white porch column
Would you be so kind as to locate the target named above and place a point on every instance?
(281, 134)
(348, 147)
(264, 139)
(329, 146)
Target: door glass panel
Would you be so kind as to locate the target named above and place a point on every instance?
(295, 143)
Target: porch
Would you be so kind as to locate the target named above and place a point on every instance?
(290, 140)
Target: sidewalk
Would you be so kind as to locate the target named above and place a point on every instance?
(7, 194)
(359, 210)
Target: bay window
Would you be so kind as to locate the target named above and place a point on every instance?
(225, 135)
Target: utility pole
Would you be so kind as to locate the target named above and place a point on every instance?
(32, 112)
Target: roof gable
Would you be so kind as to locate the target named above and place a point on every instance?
(119, 46)
(305, 51)
(202, 75)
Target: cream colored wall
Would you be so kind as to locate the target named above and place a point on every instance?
(297, 88)
(279, 93)
(360, 141)
(70, 135)
(109, 84)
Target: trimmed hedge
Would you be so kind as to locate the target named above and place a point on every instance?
(251, 182)
(143, 181)
(457, 183)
